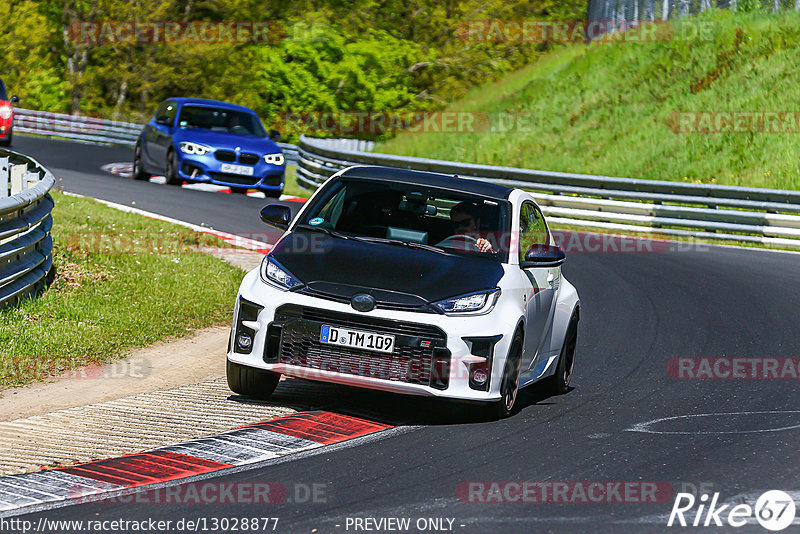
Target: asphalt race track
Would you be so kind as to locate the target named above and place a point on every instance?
(640, 310)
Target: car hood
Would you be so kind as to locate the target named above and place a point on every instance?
(392, 274)
(228, 141)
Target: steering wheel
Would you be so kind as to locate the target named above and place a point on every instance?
(454, 239)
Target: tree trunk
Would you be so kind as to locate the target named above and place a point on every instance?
(77, 53)
(665, 10)
(123, 94)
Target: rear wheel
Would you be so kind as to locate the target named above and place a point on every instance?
(251, 382)
(172, 169)
(509, 388)
(558, 384)
(138, 171)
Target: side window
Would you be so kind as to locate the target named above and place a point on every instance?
(162, 110)
(532, 228)
(172, 109)
(332, 210)
(166, 112)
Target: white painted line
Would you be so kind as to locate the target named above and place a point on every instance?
(233, 239)
(645, 427)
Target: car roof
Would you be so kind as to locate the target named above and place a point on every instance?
(215, 103)
(431, 179)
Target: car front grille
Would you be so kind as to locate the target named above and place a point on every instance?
(380, 305)
(225, 155)
(229, 156)
(248, 159)
(420, 355)
(236, 179)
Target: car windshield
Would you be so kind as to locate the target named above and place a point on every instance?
(220, 120)
(414, 216)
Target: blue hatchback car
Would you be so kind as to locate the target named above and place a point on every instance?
(208, 141)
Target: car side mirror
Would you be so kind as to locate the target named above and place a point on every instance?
(14, 99)
(543, 256)
(274, 135)
(276, 215)
(163, 120)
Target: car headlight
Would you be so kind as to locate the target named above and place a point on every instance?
(187, 147)
(479, 303)
(5, 112)
(274, 159)
(273, 273)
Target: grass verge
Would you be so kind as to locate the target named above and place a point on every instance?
(123, 281)
(616, 108)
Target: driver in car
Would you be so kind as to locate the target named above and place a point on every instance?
(466, 221)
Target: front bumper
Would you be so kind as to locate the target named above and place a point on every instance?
(207, 169)
(430, 358)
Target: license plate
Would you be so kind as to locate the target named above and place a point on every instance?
(237, 169)
(358, 339)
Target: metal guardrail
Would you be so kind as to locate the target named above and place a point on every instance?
(767, 216)
(75, 127)
(26, 247)
(93, 130)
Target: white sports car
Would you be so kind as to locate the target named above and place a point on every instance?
(409, 282)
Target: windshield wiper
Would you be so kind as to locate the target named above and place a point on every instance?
(330, 232)
(322, 229)
(408, 244)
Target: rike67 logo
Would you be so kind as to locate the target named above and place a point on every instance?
(774, 510)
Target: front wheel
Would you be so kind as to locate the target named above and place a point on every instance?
(509, 388)
(172, 169)
(251, 382)
(7, 140)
